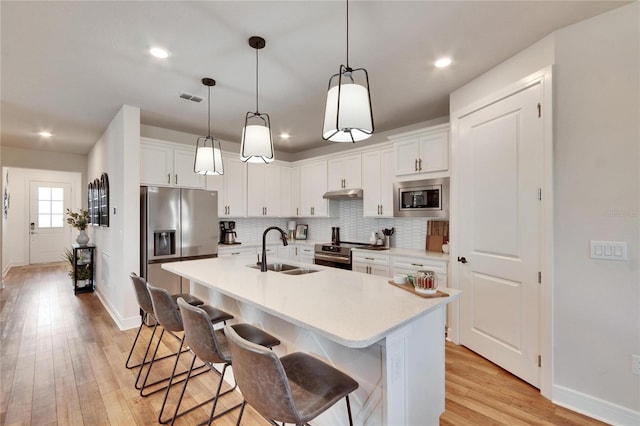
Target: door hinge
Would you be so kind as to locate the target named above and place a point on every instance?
(539, 360)
(539, 110)
(540, 194)
(539, 277)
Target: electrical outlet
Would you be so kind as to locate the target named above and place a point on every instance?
(635, 364)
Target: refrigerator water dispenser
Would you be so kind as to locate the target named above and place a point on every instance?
(164, 243)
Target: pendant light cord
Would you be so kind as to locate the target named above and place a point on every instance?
(257, 110)
(347, 33)
(209, 114)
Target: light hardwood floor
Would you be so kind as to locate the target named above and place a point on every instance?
(62, 363)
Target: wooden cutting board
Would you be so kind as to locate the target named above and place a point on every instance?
(434, 243)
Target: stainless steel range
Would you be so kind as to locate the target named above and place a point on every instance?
(338, 255)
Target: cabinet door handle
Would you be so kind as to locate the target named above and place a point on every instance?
(415, 165)
(168, 177)
(297, 211)
(419, 164)
(417, 264)
(381, 209)
(176, 178)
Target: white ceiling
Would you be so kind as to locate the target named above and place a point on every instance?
(67, 67)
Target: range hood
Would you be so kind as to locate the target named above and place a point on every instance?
(343, 194)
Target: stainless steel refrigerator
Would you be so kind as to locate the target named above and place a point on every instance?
(176, 224)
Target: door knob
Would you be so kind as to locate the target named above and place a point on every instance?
(462, 259)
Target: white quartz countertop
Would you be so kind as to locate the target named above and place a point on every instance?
(350, 308)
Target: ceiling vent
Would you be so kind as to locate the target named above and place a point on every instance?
(190, 97)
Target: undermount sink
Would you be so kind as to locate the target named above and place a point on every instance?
(286, 269)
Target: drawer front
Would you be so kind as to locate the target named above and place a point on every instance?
(370, 258)
(415, 264)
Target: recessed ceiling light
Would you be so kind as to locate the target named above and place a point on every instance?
(159, 52)
(443, 62)
(285, 135)
(45, 134)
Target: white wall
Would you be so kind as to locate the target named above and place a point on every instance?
(597, 183)
(46, 160)
(117, 153)
(596, 305)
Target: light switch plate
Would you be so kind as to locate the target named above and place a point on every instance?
(609, 250)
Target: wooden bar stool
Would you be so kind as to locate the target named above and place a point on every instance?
(167, 313)
(211, 347)
(144, 302)
(296, 388)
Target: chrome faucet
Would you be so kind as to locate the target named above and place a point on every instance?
(263, 265)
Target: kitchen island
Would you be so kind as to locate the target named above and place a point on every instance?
(389, 340)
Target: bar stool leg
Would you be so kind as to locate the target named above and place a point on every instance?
(173, 372)
(241, 412)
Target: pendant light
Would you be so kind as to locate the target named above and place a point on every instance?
(257, 144)
(348, 116)
(208, 159)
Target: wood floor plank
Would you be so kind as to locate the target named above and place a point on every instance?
(62, 363)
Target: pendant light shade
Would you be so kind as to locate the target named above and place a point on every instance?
(257, 144)
(208, 159)
(348, 116)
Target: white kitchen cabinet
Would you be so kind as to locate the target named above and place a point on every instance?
(168, 164)
(377, 183)
(296, 208)
(422, 153)
(263, 190)
(344, 172)
(370, 262)
(410, 265)
(285, 252)
(313, 185)
(236, 250)
(287, 204)
(303, 253)
(231, 187)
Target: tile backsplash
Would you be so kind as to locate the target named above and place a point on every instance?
(410, 232)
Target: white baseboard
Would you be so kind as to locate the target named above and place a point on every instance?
(595, 407)
(122, 323)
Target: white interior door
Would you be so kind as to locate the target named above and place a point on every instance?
(49, 233)
(500, 232)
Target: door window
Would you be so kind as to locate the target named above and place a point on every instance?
(50, 207)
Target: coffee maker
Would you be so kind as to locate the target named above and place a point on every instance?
(228, 232)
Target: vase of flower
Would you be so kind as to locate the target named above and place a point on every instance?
(82, 238)
(79, 220)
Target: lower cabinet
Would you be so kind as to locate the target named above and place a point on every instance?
(235, 250)
(410, 265)
(370, 262)
(304, 253)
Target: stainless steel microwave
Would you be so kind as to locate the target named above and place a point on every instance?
(421, 198)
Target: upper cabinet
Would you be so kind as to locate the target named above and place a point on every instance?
(345, 172)
(263, 190)
(168, 164)
(377, 183)
(422, 153)
(231, 187)
(313, 185)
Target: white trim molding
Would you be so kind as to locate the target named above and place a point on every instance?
(594, 407)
